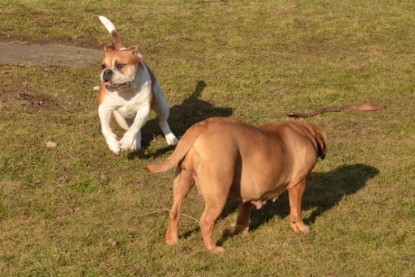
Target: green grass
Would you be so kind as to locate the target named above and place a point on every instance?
(60, 208)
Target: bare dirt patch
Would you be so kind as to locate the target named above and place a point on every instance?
(26, 98)
(20, 52)
(27, 53)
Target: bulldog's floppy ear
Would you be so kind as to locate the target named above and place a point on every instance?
(136, 52)
(109, 47)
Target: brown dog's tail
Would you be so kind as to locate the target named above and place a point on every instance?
(113, 32)
(184, 145)
(321, 139)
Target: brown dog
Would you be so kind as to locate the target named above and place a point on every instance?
(228, 159)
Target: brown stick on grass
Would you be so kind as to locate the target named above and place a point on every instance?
(354, 107)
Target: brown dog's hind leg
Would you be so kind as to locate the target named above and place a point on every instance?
(242, 222)
(213, 208)
(181, 186)
(295, 195)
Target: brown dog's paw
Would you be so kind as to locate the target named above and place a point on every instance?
(217, 250)
(171, 241)
(240, 231)
(300, 227)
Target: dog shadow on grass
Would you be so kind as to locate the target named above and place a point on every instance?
(323, 192)
(191, 111)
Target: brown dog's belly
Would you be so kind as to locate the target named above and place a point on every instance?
(278, 166)
(259, 196)
(263, 175)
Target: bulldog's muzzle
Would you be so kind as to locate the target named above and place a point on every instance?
(107, 75)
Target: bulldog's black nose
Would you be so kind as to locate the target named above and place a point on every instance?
(107, 75)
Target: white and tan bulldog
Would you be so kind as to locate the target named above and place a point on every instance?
(230, 160)
(129, 91)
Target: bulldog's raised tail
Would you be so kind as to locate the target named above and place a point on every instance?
(184, 145)
(113, 32)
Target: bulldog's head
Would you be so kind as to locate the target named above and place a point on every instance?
(119, 67)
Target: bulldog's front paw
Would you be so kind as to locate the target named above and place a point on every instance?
(128, 142)
(113, 145)
(171, 139)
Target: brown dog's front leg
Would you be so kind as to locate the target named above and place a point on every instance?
(295, 195)
(242, 222)
(181, 187)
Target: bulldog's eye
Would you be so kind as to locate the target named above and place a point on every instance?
(120, 65)
(103, 66)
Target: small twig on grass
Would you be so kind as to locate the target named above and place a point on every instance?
(355, 107)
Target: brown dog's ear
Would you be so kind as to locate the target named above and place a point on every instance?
(136, 52)
(321, 138)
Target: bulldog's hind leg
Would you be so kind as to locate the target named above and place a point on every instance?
(295, 195)
(162, 109)
(181, 186)
(124, 123)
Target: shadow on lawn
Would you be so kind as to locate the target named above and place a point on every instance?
(323, 192)
(191, 111)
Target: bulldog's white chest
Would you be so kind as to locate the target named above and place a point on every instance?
(130, 108)
(129, 111)
(127, 104)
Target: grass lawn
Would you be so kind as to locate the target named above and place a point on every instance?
(78, 210)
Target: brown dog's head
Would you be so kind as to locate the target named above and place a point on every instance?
(119, 67)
